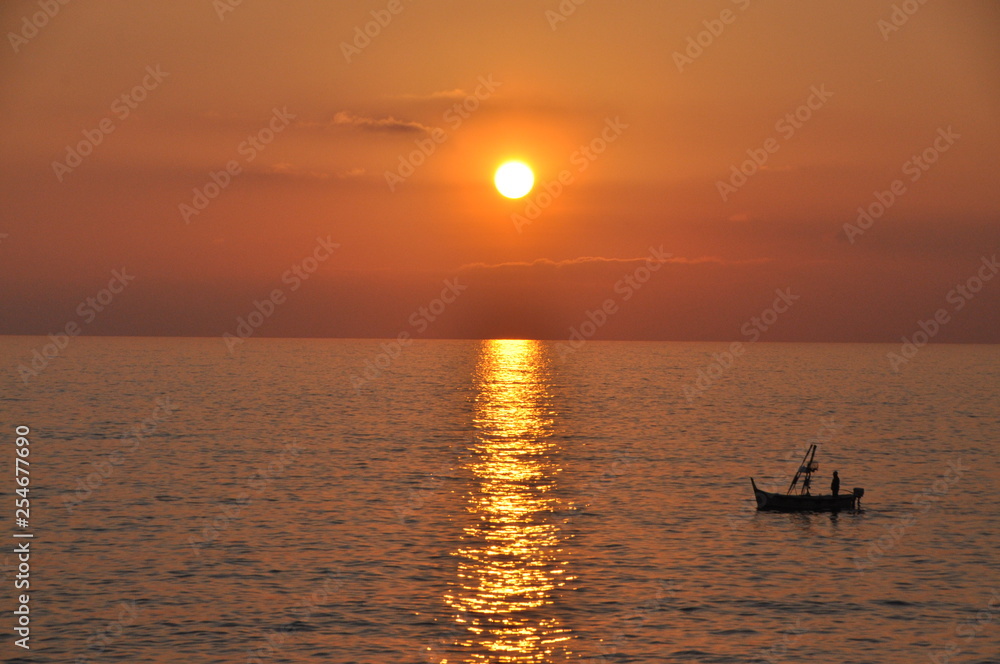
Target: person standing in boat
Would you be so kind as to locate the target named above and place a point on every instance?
(835, 484)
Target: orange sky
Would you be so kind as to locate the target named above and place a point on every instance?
(342, 117)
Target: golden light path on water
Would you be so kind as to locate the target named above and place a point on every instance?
(510, 561)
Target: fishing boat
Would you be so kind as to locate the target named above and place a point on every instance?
(798, 497)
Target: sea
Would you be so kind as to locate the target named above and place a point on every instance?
(508, 501)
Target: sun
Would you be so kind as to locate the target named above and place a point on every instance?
(514, 179)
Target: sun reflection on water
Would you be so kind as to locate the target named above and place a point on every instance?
(510, 563)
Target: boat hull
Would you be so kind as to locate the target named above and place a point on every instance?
(780, 502)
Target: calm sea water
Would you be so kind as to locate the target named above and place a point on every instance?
(502, 501)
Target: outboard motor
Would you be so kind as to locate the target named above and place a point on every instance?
(858, 492)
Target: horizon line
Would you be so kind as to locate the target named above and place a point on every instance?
(560, 339)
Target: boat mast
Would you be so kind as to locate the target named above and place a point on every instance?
(805, 466)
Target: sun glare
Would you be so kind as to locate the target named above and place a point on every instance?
(514, 179)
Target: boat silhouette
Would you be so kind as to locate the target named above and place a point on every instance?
(803, 500)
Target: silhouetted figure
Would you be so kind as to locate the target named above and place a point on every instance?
(805, 485)
(835, 484)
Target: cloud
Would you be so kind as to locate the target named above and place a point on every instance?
(457, 93)
(546, 263)
(387, 124)
(288, 171)
(355, 172)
